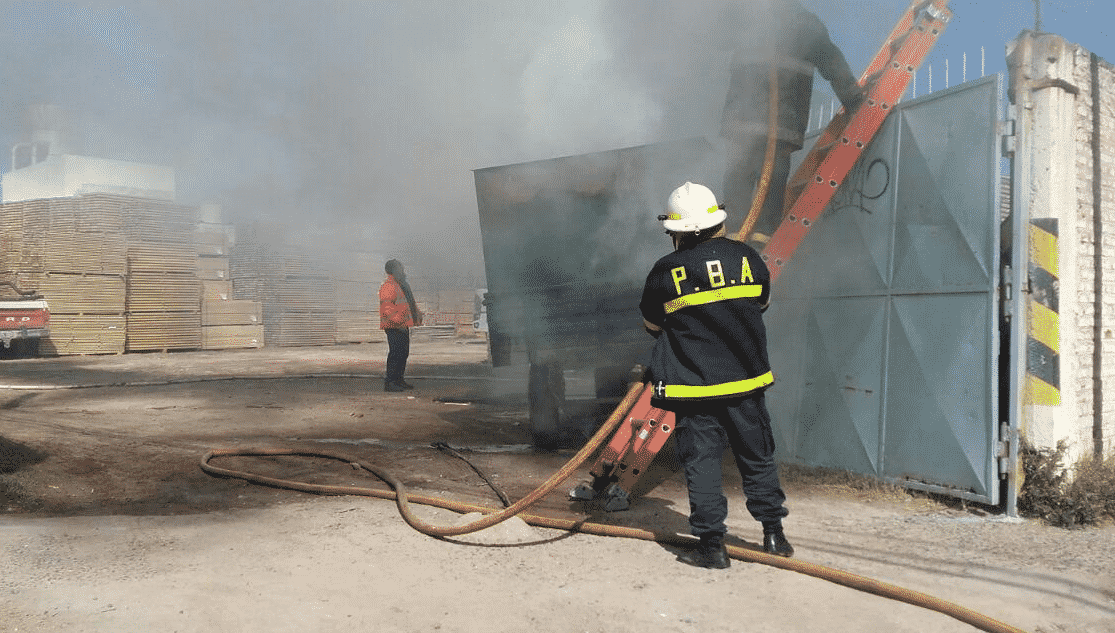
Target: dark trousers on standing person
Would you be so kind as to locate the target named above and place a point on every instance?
(704, 430)
(398, 350)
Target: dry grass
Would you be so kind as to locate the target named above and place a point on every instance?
(1086, 496)
(840, 482)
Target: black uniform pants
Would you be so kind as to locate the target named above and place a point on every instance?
(704, 430)
(398, 351)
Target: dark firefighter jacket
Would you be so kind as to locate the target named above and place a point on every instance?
(709, 301)
(797, 42)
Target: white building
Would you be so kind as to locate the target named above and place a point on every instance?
(65, 175)
(44, 167)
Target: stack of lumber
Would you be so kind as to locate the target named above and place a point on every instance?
(164, 293)
(294, 287)
(453, 308)
(213, 240)
(226, 323)
(82, 294)
(357, 297)
(72, 251)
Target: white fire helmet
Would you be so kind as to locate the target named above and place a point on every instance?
(692, 207)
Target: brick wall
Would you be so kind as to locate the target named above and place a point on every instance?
(1088, 235)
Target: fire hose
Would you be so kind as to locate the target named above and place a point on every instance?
(492, 516)
(760, 196)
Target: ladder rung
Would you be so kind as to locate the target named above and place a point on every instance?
(797, 184)
(826, 147)
(916, 42)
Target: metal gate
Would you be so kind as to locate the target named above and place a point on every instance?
(884, 330)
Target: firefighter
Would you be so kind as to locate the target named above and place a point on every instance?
(704, 304)
(397, 314)
(783, 34)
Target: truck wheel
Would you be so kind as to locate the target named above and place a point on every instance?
(546, 395)
(22, 348)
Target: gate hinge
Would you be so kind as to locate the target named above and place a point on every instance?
(1010, 139)
(1007, 288)
(1002, 449)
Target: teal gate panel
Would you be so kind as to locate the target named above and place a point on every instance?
(884, 327)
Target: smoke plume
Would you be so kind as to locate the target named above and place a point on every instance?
(361, 121)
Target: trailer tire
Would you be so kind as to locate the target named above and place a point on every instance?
(20, 348)
(546, 397)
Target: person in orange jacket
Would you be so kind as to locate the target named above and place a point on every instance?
(397, 314)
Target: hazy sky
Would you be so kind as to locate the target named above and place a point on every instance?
(366, 118)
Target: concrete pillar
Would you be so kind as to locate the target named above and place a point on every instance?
(1044, 94)
(1064, 190)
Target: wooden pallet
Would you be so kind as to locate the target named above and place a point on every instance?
(95, 213)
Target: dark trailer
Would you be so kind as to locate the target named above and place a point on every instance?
(568, 243)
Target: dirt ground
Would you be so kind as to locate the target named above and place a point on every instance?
(107, 522)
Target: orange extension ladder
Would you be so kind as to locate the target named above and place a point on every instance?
(848, 134)
(621, 470)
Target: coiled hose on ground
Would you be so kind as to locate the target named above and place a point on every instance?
(492, 516)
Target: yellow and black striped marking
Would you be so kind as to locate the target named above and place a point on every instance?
(1043, 344)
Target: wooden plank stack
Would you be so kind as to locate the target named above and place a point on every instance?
(455, 308)
(72, 251)
(357, 297)
(164, 292)
(124, 274)
(294, 287)
(226, 323)
(447, 309)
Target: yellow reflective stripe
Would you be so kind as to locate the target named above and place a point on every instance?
(712, 296)
(1037, 391)
(1045, 326)
(723, 389)
(1043, 250)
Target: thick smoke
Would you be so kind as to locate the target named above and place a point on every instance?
(362, 121)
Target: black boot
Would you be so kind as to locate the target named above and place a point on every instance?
(393, 386)
(776, 543)
(709, 553)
